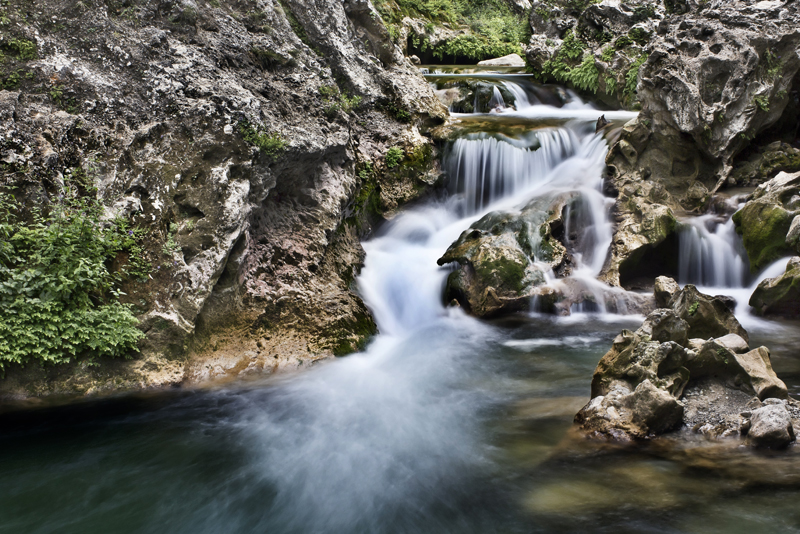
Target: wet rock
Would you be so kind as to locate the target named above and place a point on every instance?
(770, 426)
(766, 163)
(665, 290)
(766, 219)
(755, 370)
(503, 257)
(707, 316)
(781, 295)
(511, 60)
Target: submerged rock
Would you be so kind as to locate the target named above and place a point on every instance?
(693, 354)
(781, 295)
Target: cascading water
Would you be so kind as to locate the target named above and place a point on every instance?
(711, 253)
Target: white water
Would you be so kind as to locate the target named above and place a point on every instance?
(711, 253)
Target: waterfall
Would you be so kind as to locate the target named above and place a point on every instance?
(521, 99)
(496, 102)
(710, 253)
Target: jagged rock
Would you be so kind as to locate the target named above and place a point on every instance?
(665, 290)
(766, 219)
(707, 316)
(623, 415)
(765, 163)
(511, 60)
(781, 295)
(663, 367)
(770, 426)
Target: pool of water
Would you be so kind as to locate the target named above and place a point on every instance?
(478, 441)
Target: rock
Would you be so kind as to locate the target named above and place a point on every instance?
(623, 415)
(646, 382)
(664, 325)
(755, 370)
(770, 426)
(765, 163)
(781, 295)
(665, 290)
(766, 219)
(708, 317)
(501, 260)
(264, 244)
(734, 343)
(414, 59)
(511, 60)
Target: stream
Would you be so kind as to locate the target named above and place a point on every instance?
(444, 423)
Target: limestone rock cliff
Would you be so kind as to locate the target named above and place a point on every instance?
(247, 138)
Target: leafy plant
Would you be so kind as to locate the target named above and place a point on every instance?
(394, 156)
(693, 308)
(58, 296)
(632, 77)
(271, 144)
(763, 102)
(170, 247)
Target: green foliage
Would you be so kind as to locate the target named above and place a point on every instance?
(58, 297)
(271, 145)
(772, 64)
(170, 247)
(583, 76)
(495, 29)
(632, 77)
(763, 102)
(639, 36)
(693, 308)
(608, 54)
(394, 156)
(611, 84)
(622, 41)
(336, 100)
(23, 49)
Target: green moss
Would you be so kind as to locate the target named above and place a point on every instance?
(501, 272)
(763, 227)
(394, 156)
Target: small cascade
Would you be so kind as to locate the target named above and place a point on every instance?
(521, 98)
(496, 103)
(710, 253)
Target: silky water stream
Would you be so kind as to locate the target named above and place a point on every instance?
(443, 424)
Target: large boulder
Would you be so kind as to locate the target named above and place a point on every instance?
(664, 290)
(503, 258)
(781, 295)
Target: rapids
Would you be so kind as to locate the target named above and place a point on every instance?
(443, 424)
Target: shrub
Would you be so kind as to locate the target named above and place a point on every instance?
(58, 297)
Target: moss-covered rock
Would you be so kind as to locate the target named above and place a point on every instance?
(765, 220)
(503, 258)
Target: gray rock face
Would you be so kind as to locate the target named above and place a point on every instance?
(770, 426)
(265, 242)
(644, 385)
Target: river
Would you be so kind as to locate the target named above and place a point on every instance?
(443, 424)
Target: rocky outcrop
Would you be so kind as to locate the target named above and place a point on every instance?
(767, 220)
(781, 295)
(683, 359)
(769, 426)
(248, 142)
